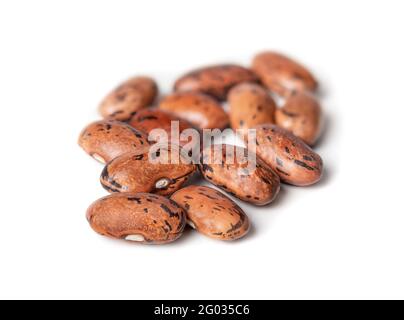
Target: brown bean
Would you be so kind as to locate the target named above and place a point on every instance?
(250, 105)
(199, 109)
(132, 95)
(294, 161)
(107, 139)
(143, 172)
(215, 80)
(139, 217)
(252, 182)
(147, 120)
(212, 213)
(301, 115)
(281, 74)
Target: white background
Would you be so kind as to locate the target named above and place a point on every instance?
(342, 238)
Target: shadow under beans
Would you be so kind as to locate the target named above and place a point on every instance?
(251, 233)
(328, 127)
(195, 179)
(261, 216)
(328, 173)
(186, 235)
(279, 201)
(322, 91)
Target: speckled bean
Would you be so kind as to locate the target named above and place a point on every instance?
(215, 80)
(212, 213)
(250, 105)
(132, 95)
(199, 109)
(107, 139)
(141, 172)
(283, 75)
(259, 185)
(141, 217)
(293, 160)
(301, 115)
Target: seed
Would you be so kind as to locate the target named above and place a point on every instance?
(301, 166)
(135, 172)
(214, 80)
(123, 216)
(257, 184)
(132, 95)
(219, 217)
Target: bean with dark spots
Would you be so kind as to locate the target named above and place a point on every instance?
(302, 115)
(105, 145)
(294, 161)
(201, 110)
(132, 95)
(136, 172)
(250, 105)
(243, 177)
(137, 220)
(282, 75)
(214, 80)
(220, 218)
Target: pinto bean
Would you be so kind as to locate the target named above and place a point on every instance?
(144, 172)
(212, 213)
(301, 115)
(107, 139)
(199, 109)
(139, 217)
(250, 105)
(132, 95)
(294, 161)
(282, 75)
(240, 173)
(215, 80)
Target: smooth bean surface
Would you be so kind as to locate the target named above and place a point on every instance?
(282, 75)
(292, 159)
(132, 95)
(215, 80)
(144, 172)
(107, 139)
(138, 217)
(252, 182)
(211, 213)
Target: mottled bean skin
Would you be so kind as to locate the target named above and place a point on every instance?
(212, 213)
(301, 115)
(105, 140)
(250, 105)
(282, 75)
(148, 119)
(199, 109)
(135, 172)
(293, 160)
(215, 80)
(139, 217)
(132, 95)
(259, 187)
